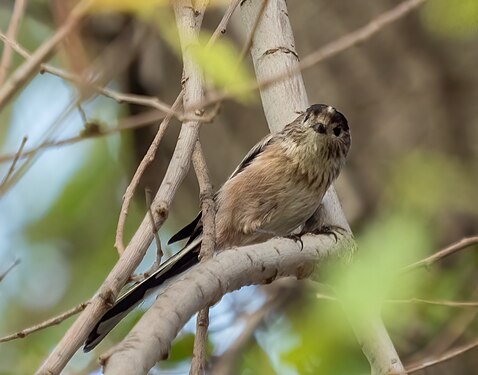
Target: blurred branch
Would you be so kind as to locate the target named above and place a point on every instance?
(147, 101)
(226, 362)
(15, 263)
(92, 131)
(208, 244)
(17, 14)
(440, 359)
(47, 323)
(25, 71)
(447, 251)
(413, 300)
(331, 49)
(14, 163)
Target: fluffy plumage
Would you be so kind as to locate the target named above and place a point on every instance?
(277, 187)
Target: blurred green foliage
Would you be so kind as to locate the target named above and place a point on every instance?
(451, 17)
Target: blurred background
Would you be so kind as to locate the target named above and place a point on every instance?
(410, 94)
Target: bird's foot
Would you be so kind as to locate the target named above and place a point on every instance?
(330, 230)
(296, 238)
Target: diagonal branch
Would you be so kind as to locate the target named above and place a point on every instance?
(25, 71)
(205, 284)
(17, 14)
(47, 323)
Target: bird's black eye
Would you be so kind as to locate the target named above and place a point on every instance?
(319, 128)
(337, 130)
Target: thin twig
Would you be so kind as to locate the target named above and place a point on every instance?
(414, 300)
(329, 50)
(442, 358)
(159, 250)
(147, 160)
(221, 28)
(17, 14)
(281, 293)
(47, 323)
(447, 251)
(15, 263)
(14, 162)
(198, 364)
(128, 123)
(84, 82)
(25, 71)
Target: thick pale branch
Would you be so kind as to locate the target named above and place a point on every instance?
(206, 283)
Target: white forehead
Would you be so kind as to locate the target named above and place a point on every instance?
(330, 110)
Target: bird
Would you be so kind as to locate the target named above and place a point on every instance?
(275, 191)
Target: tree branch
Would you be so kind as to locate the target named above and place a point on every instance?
(206, 283)
(25, 71)
(15, 263)
(47, 323)
(273, 53)
(147, 160)
(17, 14)
(447, 251)
(208, 244)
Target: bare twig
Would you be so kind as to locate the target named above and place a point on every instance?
(25, 71)
(198, 364)
(159, 249)
(84, 82)
(147, 160)
(47, 323)
(329, 50)
(225, 364)
(447, 251)
(414, 300)
(17, 14)
(138, 245)
(14, 163)
(15, 263)
(221, 28)
(128, 123)
(440, 359)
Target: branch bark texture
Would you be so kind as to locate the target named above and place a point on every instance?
(205, 284)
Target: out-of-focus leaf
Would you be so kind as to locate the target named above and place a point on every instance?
(255, 361)
(220, 62)
(326, 344)
(182, 348)
(221, 65)
(388, 244)
(428, 183)
(451, 17)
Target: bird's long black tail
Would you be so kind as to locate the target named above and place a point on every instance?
(177, 264)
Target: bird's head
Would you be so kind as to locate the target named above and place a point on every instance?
(327, 121)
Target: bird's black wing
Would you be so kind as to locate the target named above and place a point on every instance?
(188, 231)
